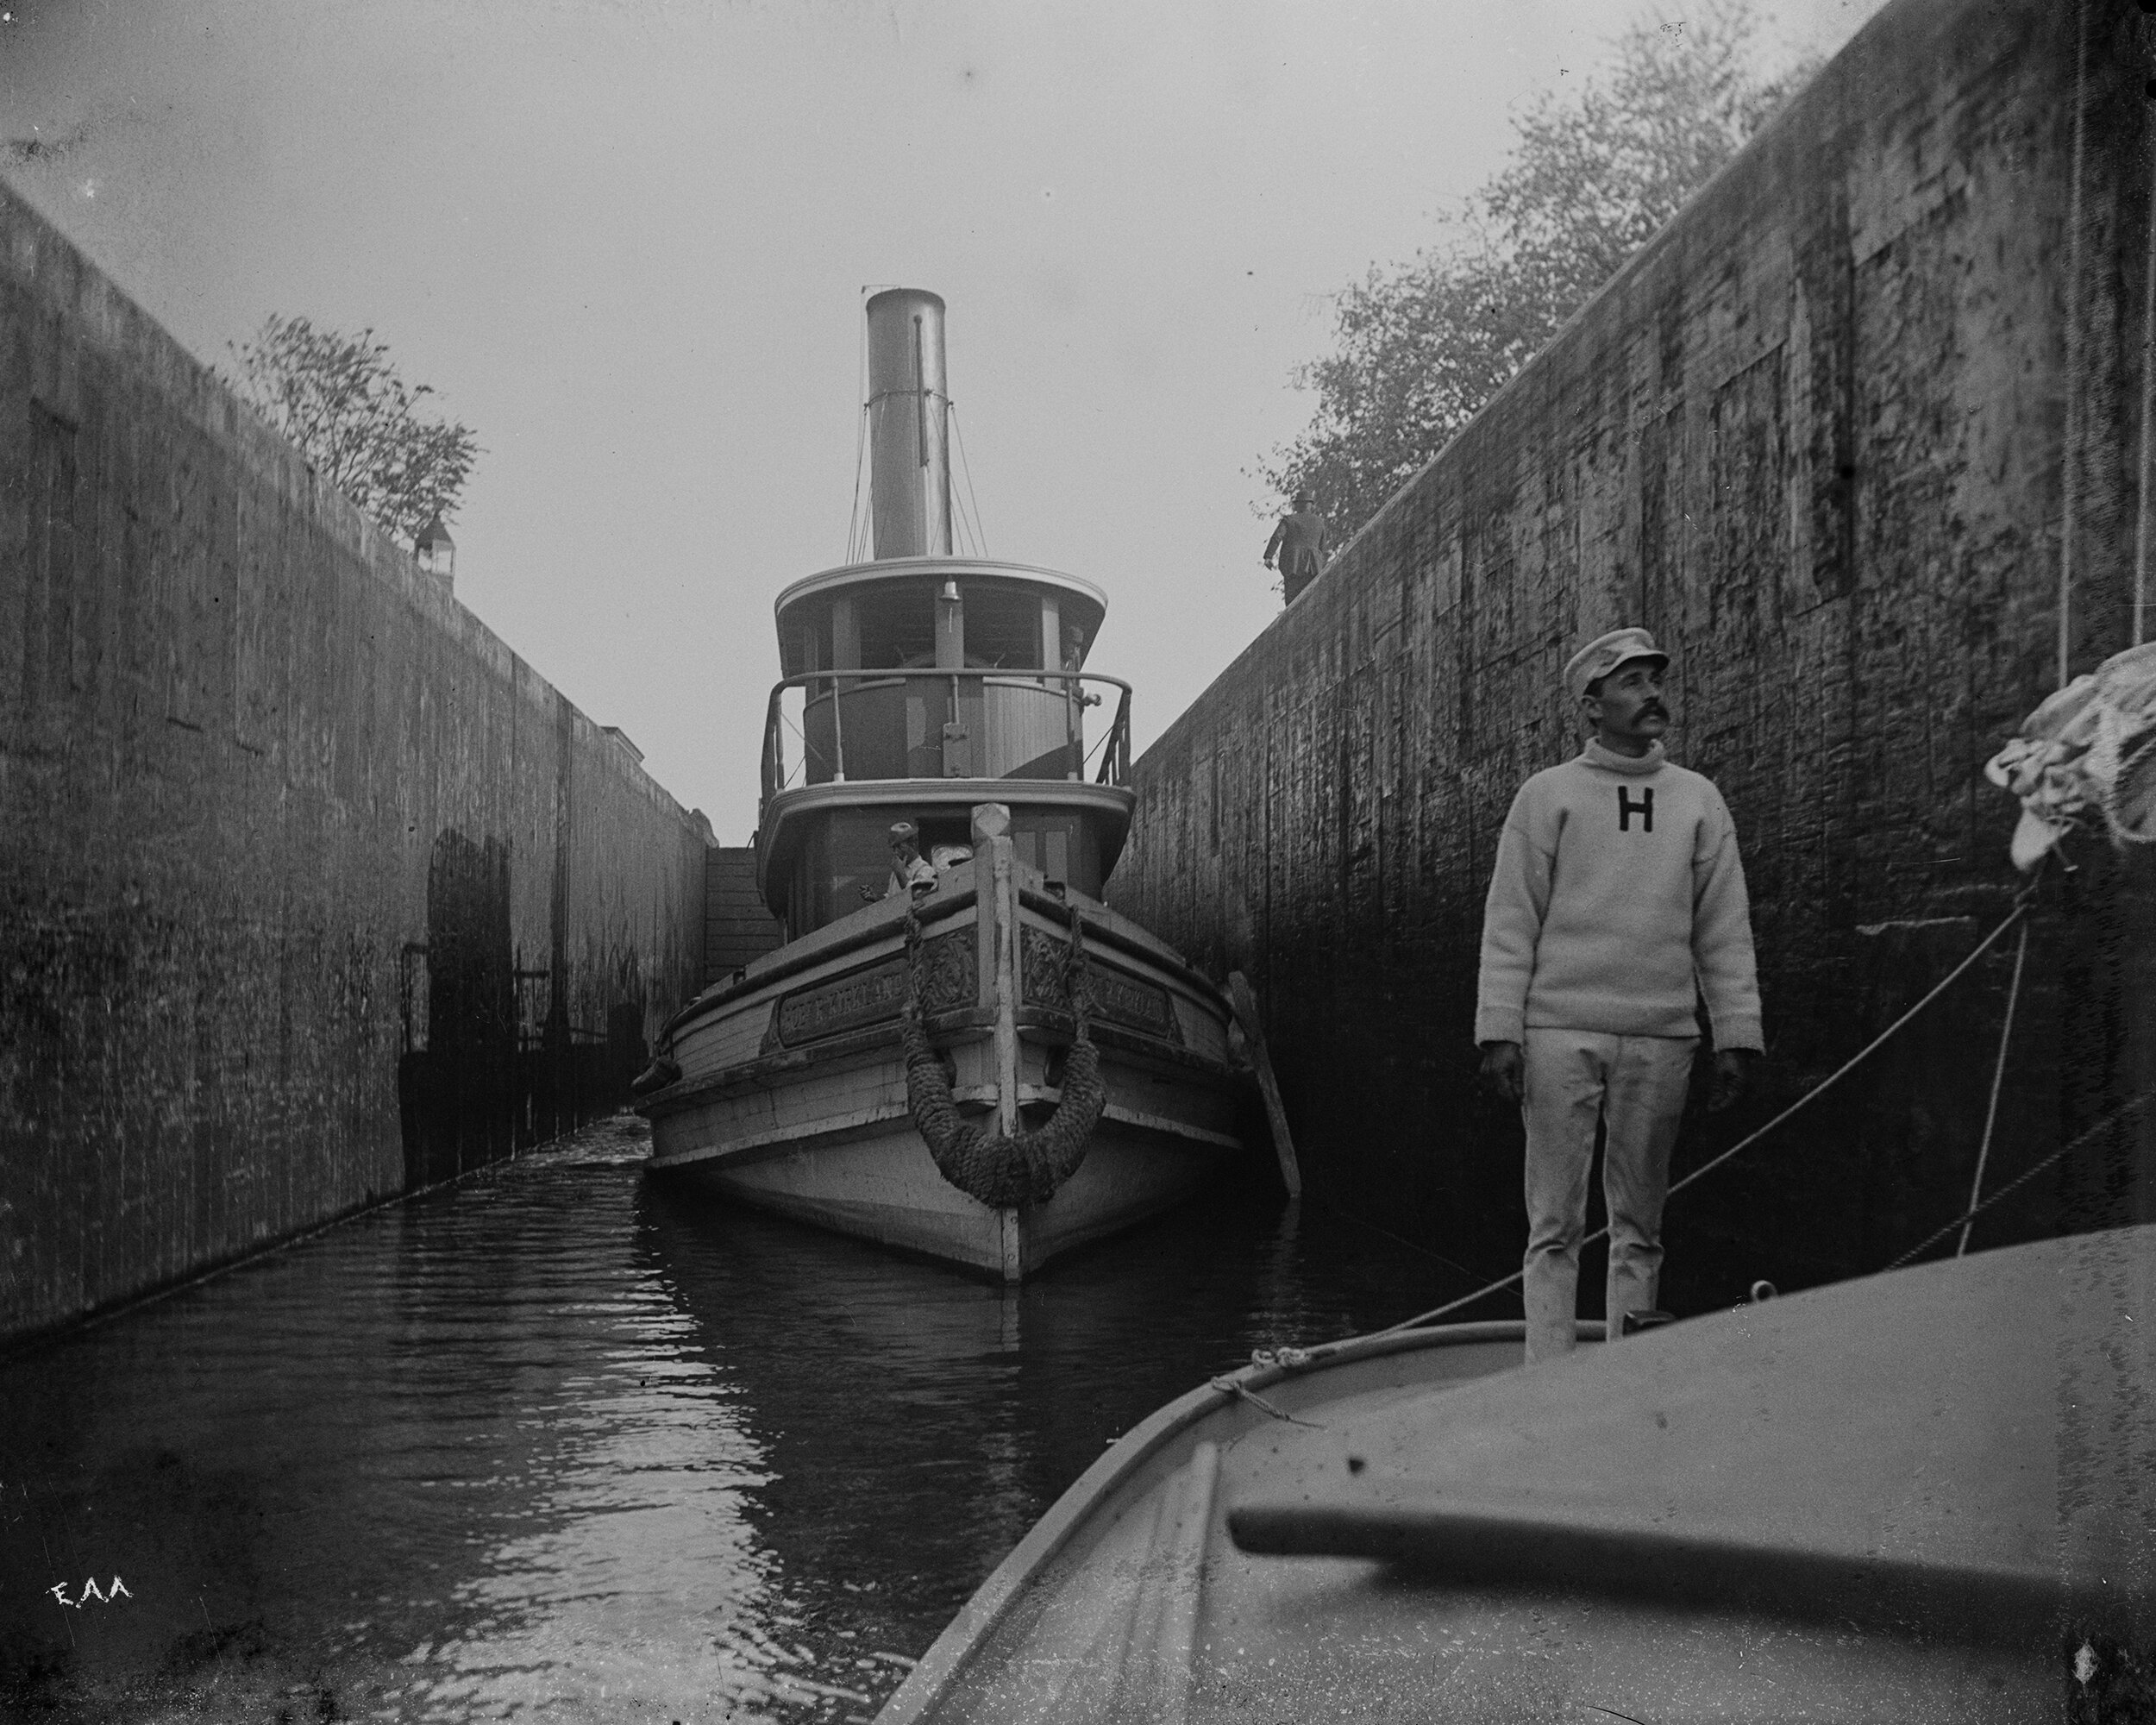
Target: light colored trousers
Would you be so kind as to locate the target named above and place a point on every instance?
(1636, 1086)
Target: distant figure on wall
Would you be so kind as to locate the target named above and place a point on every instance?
(1299, 541)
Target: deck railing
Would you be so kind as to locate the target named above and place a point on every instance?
(978, 723)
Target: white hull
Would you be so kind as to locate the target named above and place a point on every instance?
(878, 1183)
(793, 1098)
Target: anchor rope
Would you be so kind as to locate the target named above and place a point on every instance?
(1005, 1171)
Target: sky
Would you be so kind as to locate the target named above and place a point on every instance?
(627, 243)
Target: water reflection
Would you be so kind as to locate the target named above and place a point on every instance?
(565, 1444)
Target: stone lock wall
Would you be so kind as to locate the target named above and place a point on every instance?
(311, 890)
(1842, 435)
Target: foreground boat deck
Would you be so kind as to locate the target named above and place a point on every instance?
(1903, 1498)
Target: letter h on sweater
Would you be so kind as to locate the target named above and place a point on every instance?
(1626, 808)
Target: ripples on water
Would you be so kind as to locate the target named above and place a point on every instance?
(564, 1443)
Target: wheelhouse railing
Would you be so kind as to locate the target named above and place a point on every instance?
(835, 727)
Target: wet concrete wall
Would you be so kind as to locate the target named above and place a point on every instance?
(311, 890)
(1851, 436)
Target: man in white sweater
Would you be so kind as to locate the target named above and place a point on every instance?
(1617, 899)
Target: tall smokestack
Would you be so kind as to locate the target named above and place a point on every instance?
(909, 425)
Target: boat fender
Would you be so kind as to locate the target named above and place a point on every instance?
(655, 1076)
(1028, 1166)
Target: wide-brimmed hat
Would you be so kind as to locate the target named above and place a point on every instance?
(1605, 653)
(904, 832)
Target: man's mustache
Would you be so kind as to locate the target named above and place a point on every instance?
(1654, 710)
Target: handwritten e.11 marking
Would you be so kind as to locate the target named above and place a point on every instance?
(118, 1590)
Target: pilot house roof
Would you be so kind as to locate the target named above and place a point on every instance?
(1006, 607)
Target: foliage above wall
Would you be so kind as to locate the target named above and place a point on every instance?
(340, 399)
(1596, 169)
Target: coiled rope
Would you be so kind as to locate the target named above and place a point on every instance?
(1004, 1171)
(2022, 901)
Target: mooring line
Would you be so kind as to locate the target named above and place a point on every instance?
(2131, 1105)
(2022, 903)
(1998, 1078)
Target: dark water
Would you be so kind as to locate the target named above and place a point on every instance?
(561, 1443)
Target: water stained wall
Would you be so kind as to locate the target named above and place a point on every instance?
(313, 890)
(1842, 436)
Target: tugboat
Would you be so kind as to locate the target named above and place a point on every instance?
(959, 1051)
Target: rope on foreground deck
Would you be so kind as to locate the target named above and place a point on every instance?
(1230, 1386)
(2022, 901)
